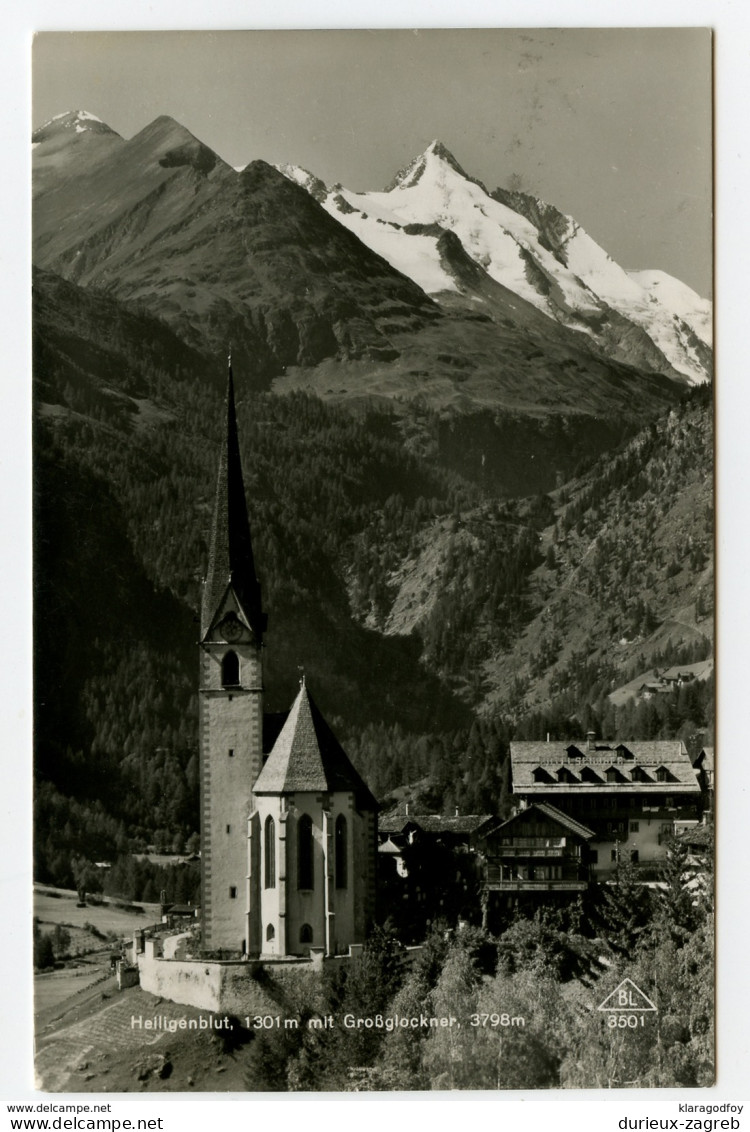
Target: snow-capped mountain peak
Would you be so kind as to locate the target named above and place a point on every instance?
(71, 122)
(432, 164)
(527, 247)
(307, 180)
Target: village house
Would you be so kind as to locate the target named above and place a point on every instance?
(538, 851)
(458, 832)
(629, 794)
(676, 677)
(429, 867)
(704, 768)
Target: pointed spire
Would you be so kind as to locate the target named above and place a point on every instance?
(230, 558)
(307, 756)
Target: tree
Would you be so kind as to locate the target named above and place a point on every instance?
(364, 989)
(673, 1047)
(60, 939)
(449, 1059)
(524, 1050)
(677, 912)
(86, 878)
(44, 953)
(622, 909)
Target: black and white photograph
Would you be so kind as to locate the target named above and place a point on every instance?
(373, 560)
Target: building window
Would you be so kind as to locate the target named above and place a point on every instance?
(594, 856)
(269, 853)
(231, 752)
(341, 847)
(229, 829)
(305, 934)
(305, 874)
(613, 855)
(230, 670)
(270, 932)
(634, 856)
(233, 892)
(634, 826)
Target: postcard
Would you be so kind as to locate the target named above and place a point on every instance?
(373, 453)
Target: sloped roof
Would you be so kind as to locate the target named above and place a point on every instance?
(699, 671)
(700, 837)
(460, 823)
(643, 755)
(230, 556)
(705, 758)
(564, 819)
(396, 822)
(307, 756)
(553, 814)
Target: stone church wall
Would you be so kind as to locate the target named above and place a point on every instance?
(239, 989)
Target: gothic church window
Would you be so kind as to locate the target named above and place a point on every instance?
(270, 932)
(305, 934)
(230, 670)
(269, 853)
(341, 848)
(305, 852)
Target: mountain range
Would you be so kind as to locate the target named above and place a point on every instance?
(450, 235)
(433, 288)
(477, 456)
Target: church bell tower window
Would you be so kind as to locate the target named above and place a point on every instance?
(230, 670)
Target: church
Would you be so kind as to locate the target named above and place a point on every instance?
(288, 837)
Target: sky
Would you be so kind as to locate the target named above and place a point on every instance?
(611, 125)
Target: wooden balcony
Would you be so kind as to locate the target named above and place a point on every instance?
(505, 878)
(537, 885)
(557, 843)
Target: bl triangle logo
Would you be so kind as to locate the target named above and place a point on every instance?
(627, 997)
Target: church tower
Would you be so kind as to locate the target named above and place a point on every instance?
(230, 702)
(313, 844)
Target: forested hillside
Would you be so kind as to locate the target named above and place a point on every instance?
(525, 1003)
(553, 597)
(435, 613)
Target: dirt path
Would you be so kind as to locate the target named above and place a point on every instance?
(72, 1048)
(92, 1045)
(77, 1004)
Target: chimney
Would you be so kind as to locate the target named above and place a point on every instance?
(590, 740)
